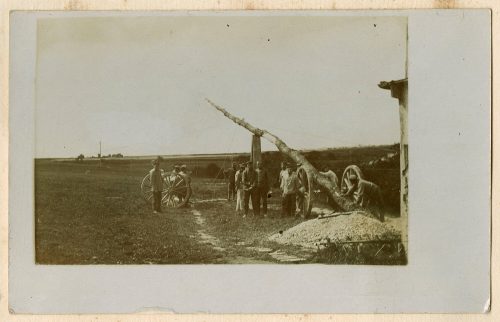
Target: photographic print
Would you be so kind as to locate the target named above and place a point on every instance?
(221, 139)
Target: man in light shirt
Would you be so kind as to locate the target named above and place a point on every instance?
(249, 179)
(332, 177)
(238, 182)
(283, 175)
(290, 189)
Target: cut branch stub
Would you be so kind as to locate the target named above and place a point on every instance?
(321, 180)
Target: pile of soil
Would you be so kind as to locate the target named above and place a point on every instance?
(353, 227)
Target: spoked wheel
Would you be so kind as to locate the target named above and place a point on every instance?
(176, 190)
(305, 194)
(346, 184)
(147, 194)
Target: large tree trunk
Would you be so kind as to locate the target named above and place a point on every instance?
(319, 179)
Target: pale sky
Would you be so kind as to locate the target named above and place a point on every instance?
(139, 83)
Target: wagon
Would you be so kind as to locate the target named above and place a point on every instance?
(176, 190)
(307, 185)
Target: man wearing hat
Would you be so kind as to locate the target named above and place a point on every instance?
(249, 179)
(230, 175)
(366, 194)
(156, 185)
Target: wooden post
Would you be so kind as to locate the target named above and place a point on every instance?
(255, 154)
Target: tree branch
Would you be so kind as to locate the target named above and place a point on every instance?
(321, 180)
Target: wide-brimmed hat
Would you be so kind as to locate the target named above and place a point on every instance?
(183, 167)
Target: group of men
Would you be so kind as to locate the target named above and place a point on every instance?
(179, 172)
(248, 184)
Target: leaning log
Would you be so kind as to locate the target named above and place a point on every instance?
(322, 181)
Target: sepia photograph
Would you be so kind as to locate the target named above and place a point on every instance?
(249, 161)
(221, 140)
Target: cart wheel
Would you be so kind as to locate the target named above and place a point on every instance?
(306, 192)
(346, 184)
(176, 191)
(147, 194)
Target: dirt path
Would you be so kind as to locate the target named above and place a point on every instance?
(237, 253)
(204, 237)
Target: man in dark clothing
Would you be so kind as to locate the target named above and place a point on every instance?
(366, 194)
(249, 179)
(231, 186)
(262, 188)
(156, 179)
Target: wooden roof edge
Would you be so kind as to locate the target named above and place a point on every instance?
(387, 85)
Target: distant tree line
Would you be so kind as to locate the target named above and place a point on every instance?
(81, 157)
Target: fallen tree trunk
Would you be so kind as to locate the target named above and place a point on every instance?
(321, 180)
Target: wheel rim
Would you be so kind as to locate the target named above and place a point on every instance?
(147, 194)
(346, 184)
(305, 181)
(176, 191)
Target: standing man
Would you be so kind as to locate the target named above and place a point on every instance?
(262, 188)
(249, 185)
(187, 178)
(230, 177)
(290, 189)
(156, 185)
(238, 181)
(366, 194)
(283, 175)
(332, 177)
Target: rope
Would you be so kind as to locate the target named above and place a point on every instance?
(231, 141)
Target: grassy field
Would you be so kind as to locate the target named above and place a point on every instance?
(92, 213)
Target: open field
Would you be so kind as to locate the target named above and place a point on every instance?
(92, 213)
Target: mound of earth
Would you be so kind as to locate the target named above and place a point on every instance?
(353, 227)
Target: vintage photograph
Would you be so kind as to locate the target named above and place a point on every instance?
(221, 139)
